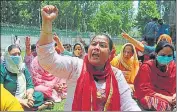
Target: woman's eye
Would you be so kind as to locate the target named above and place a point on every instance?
(93, 44)
(170, 55)
(102, 45)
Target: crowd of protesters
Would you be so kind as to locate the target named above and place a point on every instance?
(91, 77)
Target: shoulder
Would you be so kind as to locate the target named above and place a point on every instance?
(147, 65)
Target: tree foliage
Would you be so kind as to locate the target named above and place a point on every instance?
(146, 11)
(82, 16)
(113, 16)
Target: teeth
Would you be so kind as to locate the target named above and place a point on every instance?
(95, 55)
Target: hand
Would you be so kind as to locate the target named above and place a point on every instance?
(24, 102)
(27, 41)
(28, 46)
(30, 97)
(49, 13)
(174, 99)
(125, 35)
(56, 38)
(169, 99)
(30, 100)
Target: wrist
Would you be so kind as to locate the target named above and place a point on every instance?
(47, 27)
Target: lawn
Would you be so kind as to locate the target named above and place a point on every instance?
(57, 106)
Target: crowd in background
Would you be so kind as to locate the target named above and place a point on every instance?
(52, 71)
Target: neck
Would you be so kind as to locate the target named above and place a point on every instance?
(160, 67)
(99, 68)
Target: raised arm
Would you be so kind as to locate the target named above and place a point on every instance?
(135, 42)
(59, 43)
(49, 59)
(28, 46)
(48, 13)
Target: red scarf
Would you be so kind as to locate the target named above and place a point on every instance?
(86, 89)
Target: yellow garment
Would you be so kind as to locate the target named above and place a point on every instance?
(8, 101)
(131, 65)
(166, 37)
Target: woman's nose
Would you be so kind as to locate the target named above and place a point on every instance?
(97, 47)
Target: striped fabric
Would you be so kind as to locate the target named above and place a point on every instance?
(156, 103)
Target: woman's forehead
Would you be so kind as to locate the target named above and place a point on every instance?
(167, 50)
(15, 50)
(100, 38)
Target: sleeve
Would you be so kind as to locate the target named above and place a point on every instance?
(61, 66)
(29, 82)
(2, 74)
(149, 49)
(142, 82)
(126, 100)
(9, 102)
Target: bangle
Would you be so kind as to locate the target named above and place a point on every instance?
(48, 33)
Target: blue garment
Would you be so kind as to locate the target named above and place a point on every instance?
(163, 29)
(150, 29)
(149, 49)
(175, 56)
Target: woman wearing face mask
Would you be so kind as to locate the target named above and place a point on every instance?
(44, 81)
(79, 50)
(16, 78)
(127, 62)
(149, 47)
(155, 83)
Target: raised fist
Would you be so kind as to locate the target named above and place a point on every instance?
(49, 13)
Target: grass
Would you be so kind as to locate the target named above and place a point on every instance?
(57, 106)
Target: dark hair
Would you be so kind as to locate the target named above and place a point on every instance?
(12, 47)
(155, 19)
(130, 46)
(33, 47)
(160, 20)
(76, 45)
(150, 40)
(110, 41)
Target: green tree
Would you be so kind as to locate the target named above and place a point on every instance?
(146, 11)
(112, 16)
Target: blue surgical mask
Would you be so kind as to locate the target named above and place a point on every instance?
(164, 60)
(16, 59)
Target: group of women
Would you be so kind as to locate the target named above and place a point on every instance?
(36, 85)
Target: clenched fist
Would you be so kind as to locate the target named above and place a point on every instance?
(49, 13)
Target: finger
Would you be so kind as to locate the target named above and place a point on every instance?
(26, 105)
(30, 104)
(31, 99)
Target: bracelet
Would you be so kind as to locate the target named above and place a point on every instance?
(49, 33)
